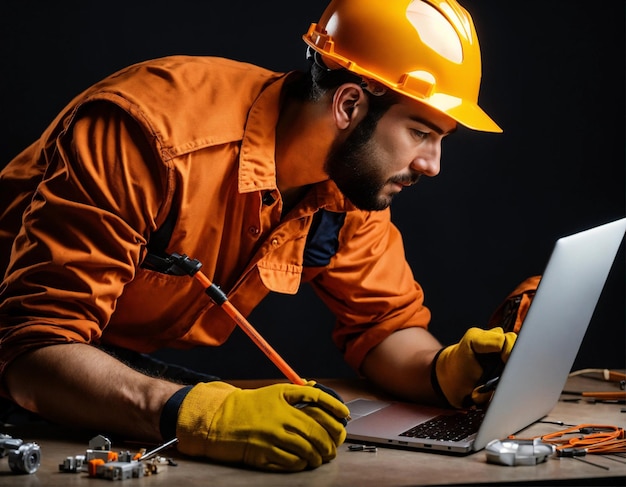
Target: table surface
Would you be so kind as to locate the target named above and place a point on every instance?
(386, 466)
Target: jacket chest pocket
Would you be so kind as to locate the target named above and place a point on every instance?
(156, 306)
(281, 268)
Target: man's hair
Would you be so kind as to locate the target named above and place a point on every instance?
(313, 84)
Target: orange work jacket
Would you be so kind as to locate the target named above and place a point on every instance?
(194, 135)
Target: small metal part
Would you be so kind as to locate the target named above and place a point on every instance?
(119, 470)
(518, 452)
(72, 464)
(26, 459)
(99, 442)
(367, 448)
(23, 457)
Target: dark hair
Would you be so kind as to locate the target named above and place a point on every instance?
(311, 85)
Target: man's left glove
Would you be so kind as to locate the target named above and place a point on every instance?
(460, 369)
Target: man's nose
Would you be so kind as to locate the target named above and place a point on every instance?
(429, 164)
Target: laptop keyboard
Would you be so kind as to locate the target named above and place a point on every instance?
(448, 427)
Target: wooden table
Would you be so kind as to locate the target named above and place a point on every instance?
(385, 467)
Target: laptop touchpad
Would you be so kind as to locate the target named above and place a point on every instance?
(393, 418)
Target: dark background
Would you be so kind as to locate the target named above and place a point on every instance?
(553, 78)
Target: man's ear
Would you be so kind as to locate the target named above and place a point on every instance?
(349, 105)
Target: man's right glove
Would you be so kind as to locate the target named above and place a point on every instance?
(282, 427)
(459, 369)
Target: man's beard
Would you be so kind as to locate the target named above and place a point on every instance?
(353, 166)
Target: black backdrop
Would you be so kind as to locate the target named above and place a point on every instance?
(553, 78)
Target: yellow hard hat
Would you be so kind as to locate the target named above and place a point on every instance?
(426, 50)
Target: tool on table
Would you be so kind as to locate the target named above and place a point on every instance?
(367, 448)
(160, 448)
(514, 452)
(587, 438)
(582, 439)
(600, 395)
(602, 374)
(101, 461)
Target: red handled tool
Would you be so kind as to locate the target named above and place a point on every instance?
(192, 267)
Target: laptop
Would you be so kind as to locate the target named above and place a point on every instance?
(537, 369)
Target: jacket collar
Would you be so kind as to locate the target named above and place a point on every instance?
(257, 165)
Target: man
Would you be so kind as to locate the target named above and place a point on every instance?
(269, 180)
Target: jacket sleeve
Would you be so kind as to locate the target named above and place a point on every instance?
(369, 286)
(82, 233)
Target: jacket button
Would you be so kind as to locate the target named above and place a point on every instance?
(254, 230)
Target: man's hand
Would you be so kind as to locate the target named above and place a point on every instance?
(282, 427)
(459, 369)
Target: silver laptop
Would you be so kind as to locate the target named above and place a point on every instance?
(537, 369)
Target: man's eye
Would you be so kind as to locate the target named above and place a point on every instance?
(419, 134)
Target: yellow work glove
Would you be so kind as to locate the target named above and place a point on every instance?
(282, 427)
(459, 370)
